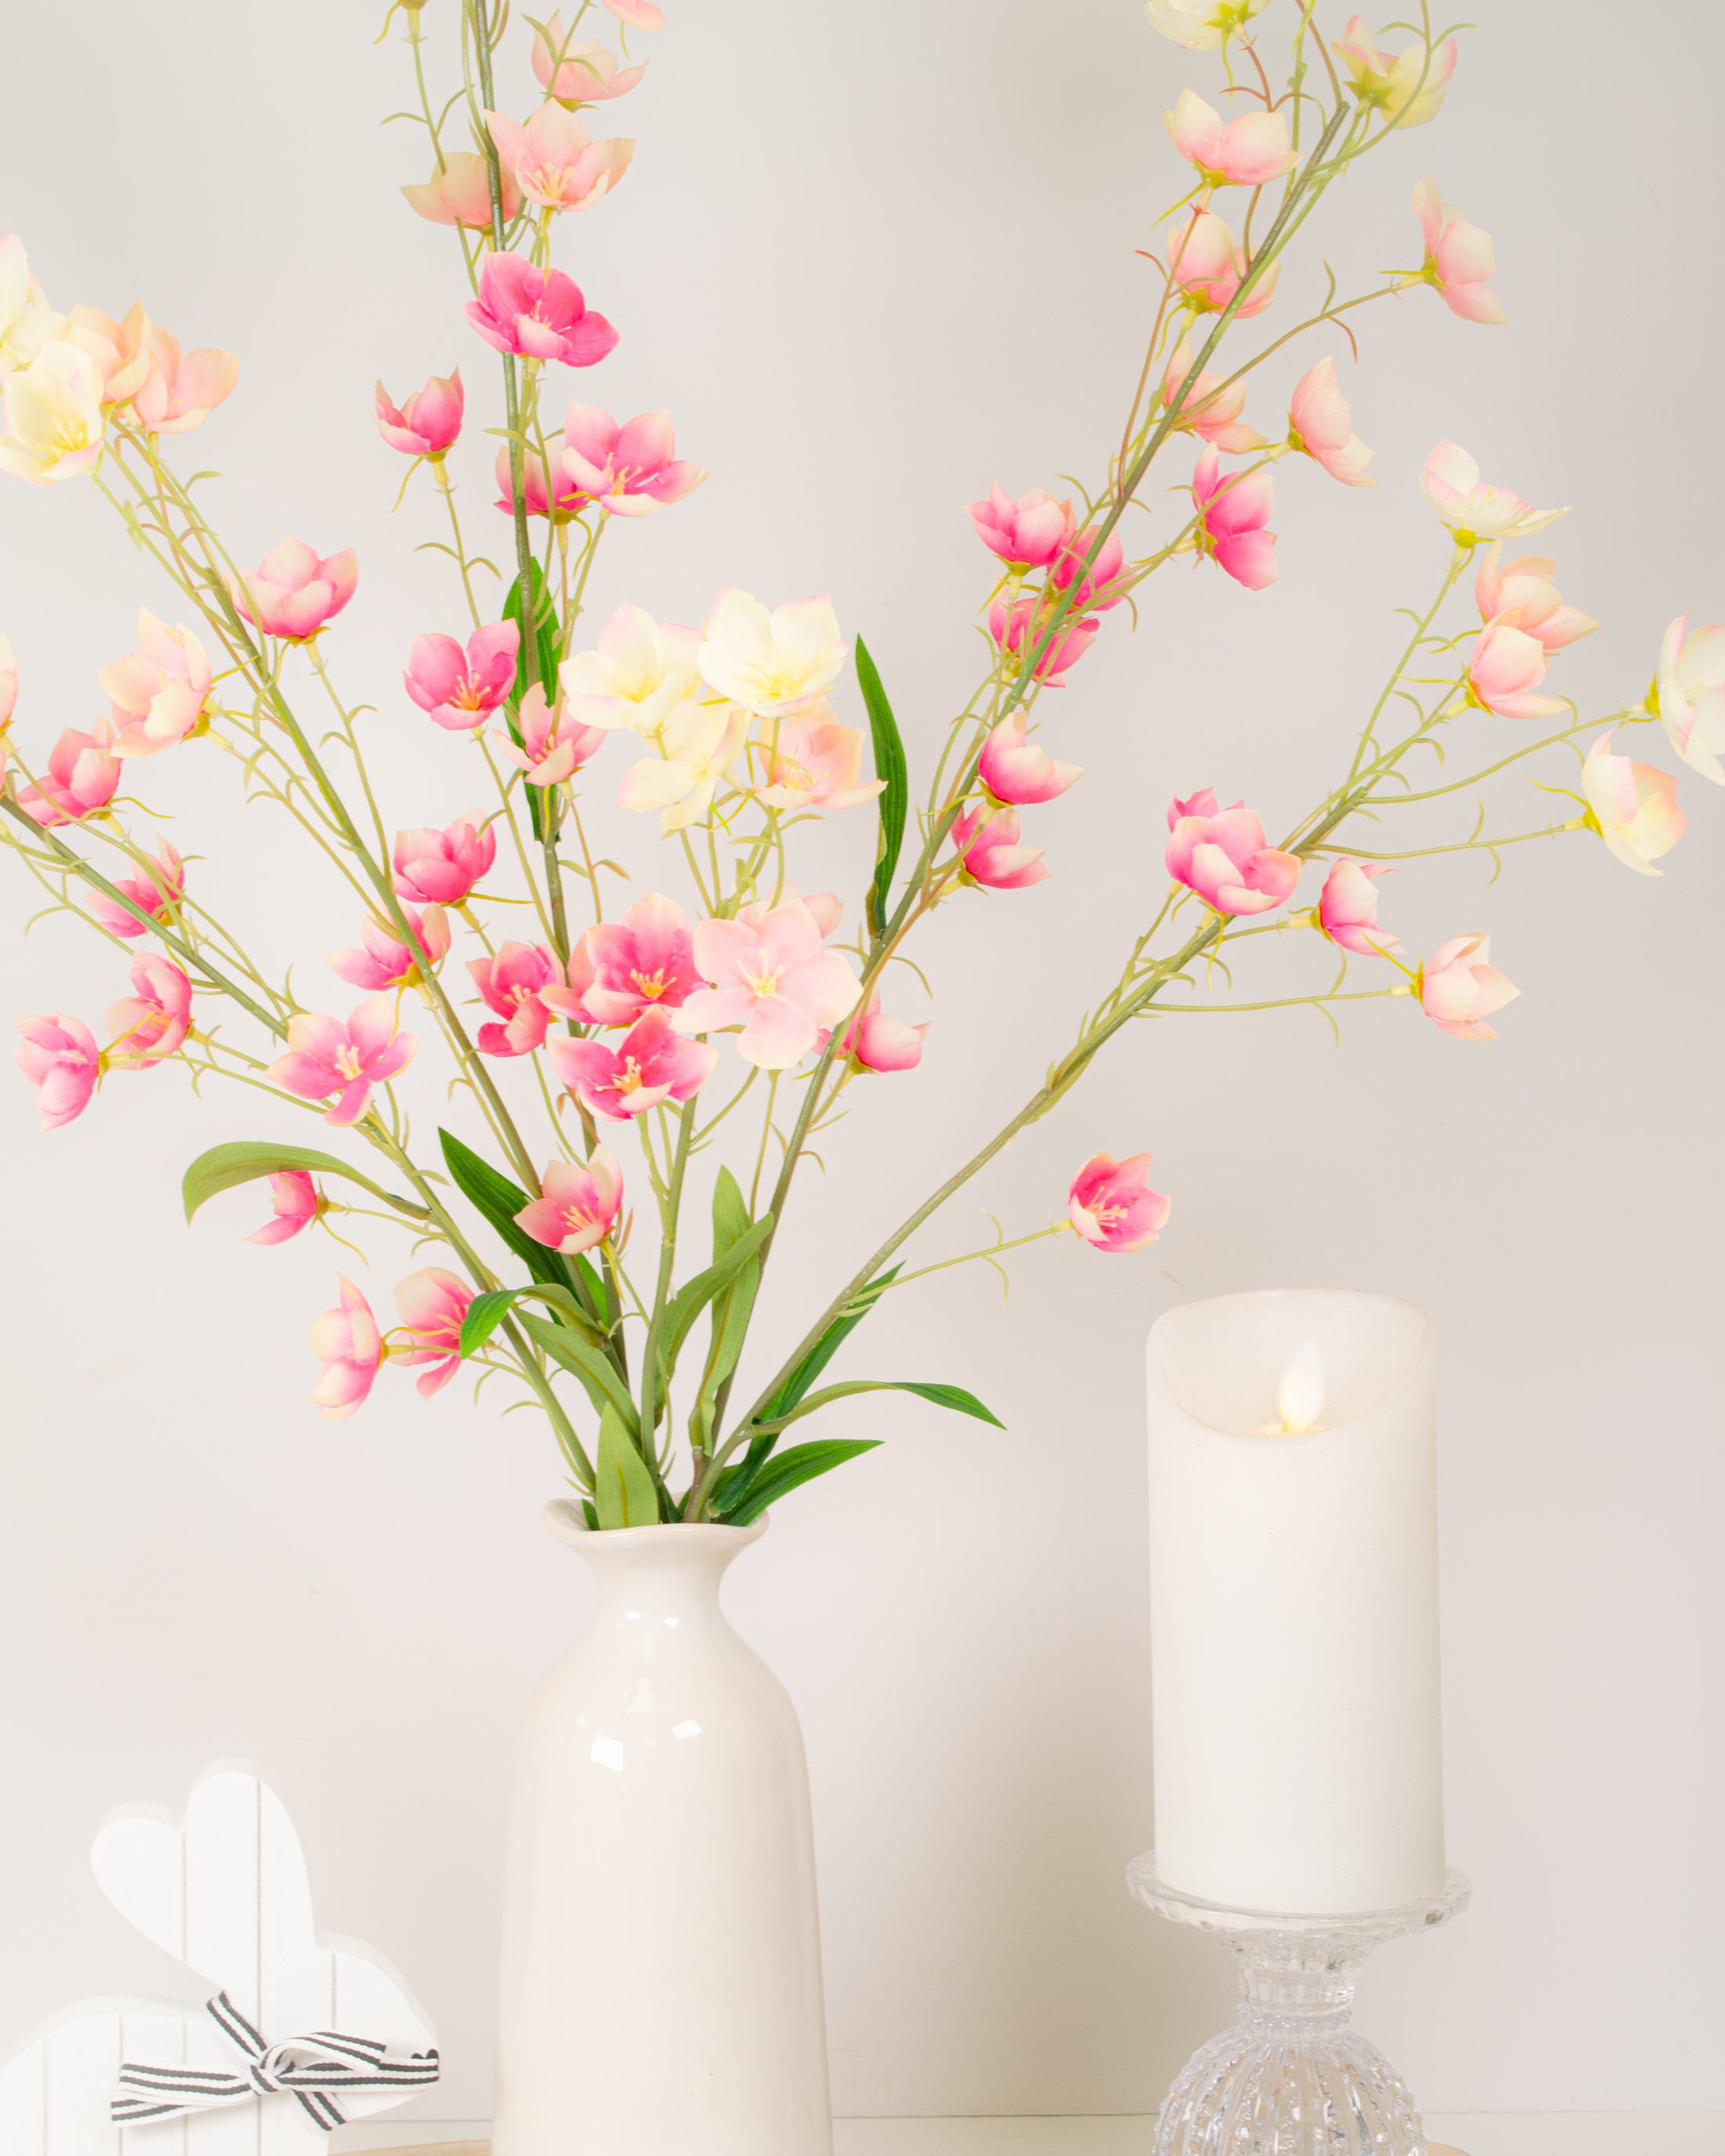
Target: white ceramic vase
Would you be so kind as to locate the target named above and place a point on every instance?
(661, 1989)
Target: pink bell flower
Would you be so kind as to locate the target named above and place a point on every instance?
(554, 744)
(383, 961)
(651, 1064)
(1017, 628)
(1111, 1205)
(294, 1204)
(630, 470)
(1209, 267)
(432, 1306)
(180, 391)
(771, 978)
(82, 777)
(1348, 911)
(537, 314)
(346, 1341)
(875, 1042)
(1506, 667)
(1632, 806)
(1095, 585)
(578, 72)
(1459, 258)
(459, 689)
(1222, 855)
(555, 163)
(293, 592)
(510, 984)
(644, 14)
(1689, 695)
(59, 1056)
(622, 969)
(987, 841)
(1232, 509)
(461, 193)
(1406, 87)
(1460, 989)
(1449, 480)
(1027, 533)
(1016, 773)
(1524, 595)
(151, 1024)
(815, 763)
(326, 1057)
(158, 892)
(441, 868)
(580, 1205)
(1321, 425)
(160, 692)
(429, 422)
(120, 349)
(543, 493)
(1210, 409)
(1246, 153)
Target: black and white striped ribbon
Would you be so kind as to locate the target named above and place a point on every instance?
(315, 2069)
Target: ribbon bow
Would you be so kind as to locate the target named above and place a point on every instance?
(315, 2069)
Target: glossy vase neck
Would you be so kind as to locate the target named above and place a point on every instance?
(656, 1572)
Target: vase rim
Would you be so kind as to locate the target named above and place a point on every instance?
(565, 1521)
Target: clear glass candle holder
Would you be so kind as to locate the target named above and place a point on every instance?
(1292, 2077)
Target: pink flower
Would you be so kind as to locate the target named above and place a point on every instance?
(815, 763)
(1449, 480)
(178, 394)
(580, 1205)
(878, 1043)
(1209, 409)
(158, 892)
(1320, 424)
(645, 14)
(160, 691)
(120, 349)
(1458, 993)
(555, 160)
(618, 971)
(1209, 267)
(511, 984)
(1093, 585)
(650, 1065)
(440, 868)
(386, 961)
(1017, 628)
(459, 688)
(1016, 771)
(1221, 853)
(59, 1057)
(82, 777)
(826, 909)
(1524, 595)
(348, 1344)
(1348, 911)
(1406, 87)
(578, 74)
(988, 845)
(293, 1203)
(1111, 1205)
(461, 193)
(1027, 533)
(1632, 806)
(1246, 153)
(293, 592)
(1233, 508)
(540, 493)
(432, 1305)
(429, 422)
(1506, 667)
(630, 470)
(1458, 258)
(1688, 695)
(8, 682)
(538, 314)
(326, 1057)
(150, 1025)
(771, 977)
(554, 744)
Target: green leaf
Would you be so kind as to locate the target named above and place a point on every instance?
(226, 1167)
(487, 1311)
(943, 1396)
(684, 1306)
(737, 1505)
(829, 1344)
(545, 622)
(625, 1493)
(730, 1216)
(597, 1372)
(499, 1200)
(732, 1306)
(893, 802)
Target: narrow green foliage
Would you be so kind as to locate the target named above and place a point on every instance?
(226, 1167)
(893, 801)
(625, 1493)
(499, 1200)
(738, 1499)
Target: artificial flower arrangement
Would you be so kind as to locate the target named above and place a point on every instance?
(607, 1050)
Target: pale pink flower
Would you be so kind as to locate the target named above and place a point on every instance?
(987, 841)
(325, 1057)
(429, 422)
(384, 961)
(511, 984)
(293, 592)
(59, 1056)
(120, 350)
(638, 676)
(461, 193)
(1506, 667)
(651, 1064)
(1111, 1205)
(1232, 509)
(1689, 695)
(440, 868)
(1459, 258)
(623, 968)
(149, 1024)
(1320, 424)
(644, 14)
(545, 493)
(1201, 26)
(1222, 855)
(827, 909)
(537, 314)
(1632, 806)
(771, 977)
(554, 744)
(1524, 595)
(1017, 773)
(1209, 409)
(26, 321)
(53, 416)
(294, 1204)
(461, 689)
(1095, 585)
(432, 1306)
(82, 777)
(1027, 533)
(160, 691)
(1209, 267)
(630, 470)
(1348, 911)
(1017, 627)
(875, 1042)
(158, 892)
(1246, 153)
(1459, 988)
(580, 1205)
(1406, 87)
(9, 682)
(179, 391)
(1449, 480)
(771, 663)
(555, 160)
(697, 746)
(346, 1341)
(578, 72)
(813, 762)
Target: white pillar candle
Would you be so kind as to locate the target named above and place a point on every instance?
(1294, 1626)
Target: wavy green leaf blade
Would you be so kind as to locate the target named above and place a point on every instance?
(487, 1311)
(786, 1473)
(684, 1306)
(226, 1167)
(829, 1344)
(953, 1397)
(499, 1200)
(893, 801)
(595, 1370)
(624, 1494)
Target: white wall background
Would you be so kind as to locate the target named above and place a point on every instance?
(872, 258)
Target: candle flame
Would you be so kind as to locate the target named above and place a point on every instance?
(1300, 1401)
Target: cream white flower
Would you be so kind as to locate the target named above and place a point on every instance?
(1201, 25)
(1451, 483)
(54, 416)
(1632, 806)
(1689, 695)
(771, 663)
(1406, 87)
(698, 743)
(637, 676)
(26, 321)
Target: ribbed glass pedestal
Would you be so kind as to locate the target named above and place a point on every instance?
(1291, 2078)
